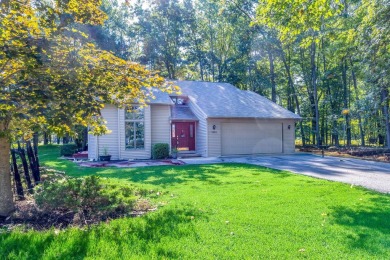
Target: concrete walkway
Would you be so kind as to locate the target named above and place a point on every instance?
(369, 174)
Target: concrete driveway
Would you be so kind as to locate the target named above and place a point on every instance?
(372, 175)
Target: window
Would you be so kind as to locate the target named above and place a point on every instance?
(134, 128)
(173, 130)
(191, 130)
(178, 100)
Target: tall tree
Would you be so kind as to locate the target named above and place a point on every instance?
(301, 21)
(374, 31)
(47, 64)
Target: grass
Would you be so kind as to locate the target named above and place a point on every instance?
(221, 211)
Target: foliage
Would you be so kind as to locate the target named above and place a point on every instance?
(54, 78)
(160, 151)
(68, 149)
(88, 196)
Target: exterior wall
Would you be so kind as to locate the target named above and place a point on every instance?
(201, 130)
(157, 130)
(214, 136)
(288, 136)
(115, 140)
(160, 124)
(92, 147)
(144, 153)
(110, 140)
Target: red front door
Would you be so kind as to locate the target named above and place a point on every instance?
(183, 136)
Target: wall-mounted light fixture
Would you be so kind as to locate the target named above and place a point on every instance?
(289, 127)
(214, 127)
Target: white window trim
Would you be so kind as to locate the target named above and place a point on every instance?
(134, 121)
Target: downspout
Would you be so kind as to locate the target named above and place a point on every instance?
(119, 136)
(282, 137)
(97, 148)
(170, 136)
(207, 137)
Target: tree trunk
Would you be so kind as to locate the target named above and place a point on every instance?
(315, 94)
(362, 135)
(272, 75)
(85, 139)
(35, 147)
(334, 136)
(17, 179)
(346, 103)
(6, 196)
(212, 51)
(33, 163)
(22, 155)
(45, 138)
(292, 87)
(65, 139)
(385, 108)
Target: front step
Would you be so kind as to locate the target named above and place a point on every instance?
(187, 154)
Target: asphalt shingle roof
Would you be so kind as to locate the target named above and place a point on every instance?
(182, 112)
(160, 97)
(222, 100)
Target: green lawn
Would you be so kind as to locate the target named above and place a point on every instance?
(222, 211)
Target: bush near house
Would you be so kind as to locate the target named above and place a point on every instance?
(160, 151)
(61, 201)
(68, 149)
(87, 195)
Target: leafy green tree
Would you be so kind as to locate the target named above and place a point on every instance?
(374, 39)
(51, 75)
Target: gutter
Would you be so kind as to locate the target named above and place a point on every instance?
(267, 118)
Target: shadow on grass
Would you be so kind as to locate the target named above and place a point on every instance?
(156, 175)
(369, 226)
(172, 175)
(168, 175)
(137, 233)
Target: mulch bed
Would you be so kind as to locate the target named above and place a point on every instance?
(28, 217)
(366, 153)
(135, 163)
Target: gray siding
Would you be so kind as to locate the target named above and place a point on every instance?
(288, 136)
(92, 147)
(214, 137)
(201, 129)
(161, 127)
(114, 141)
(109, 141)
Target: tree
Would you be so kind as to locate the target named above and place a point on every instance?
(374, 31)
(51, 74)
(301, 21)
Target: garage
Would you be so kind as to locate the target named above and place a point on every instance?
(251, 138)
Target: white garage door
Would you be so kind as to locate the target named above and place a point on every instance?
(251, 138)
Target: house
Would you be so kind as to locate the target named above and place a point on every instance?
(209, 119)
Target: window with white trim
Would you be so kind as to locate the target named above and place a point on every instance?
(135, 128)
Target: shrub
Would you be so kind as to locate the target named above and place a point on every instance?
(160, 151)
(88, 197)
(68, 149)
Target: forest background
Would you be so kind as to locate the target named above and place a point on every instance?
(327, 60)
